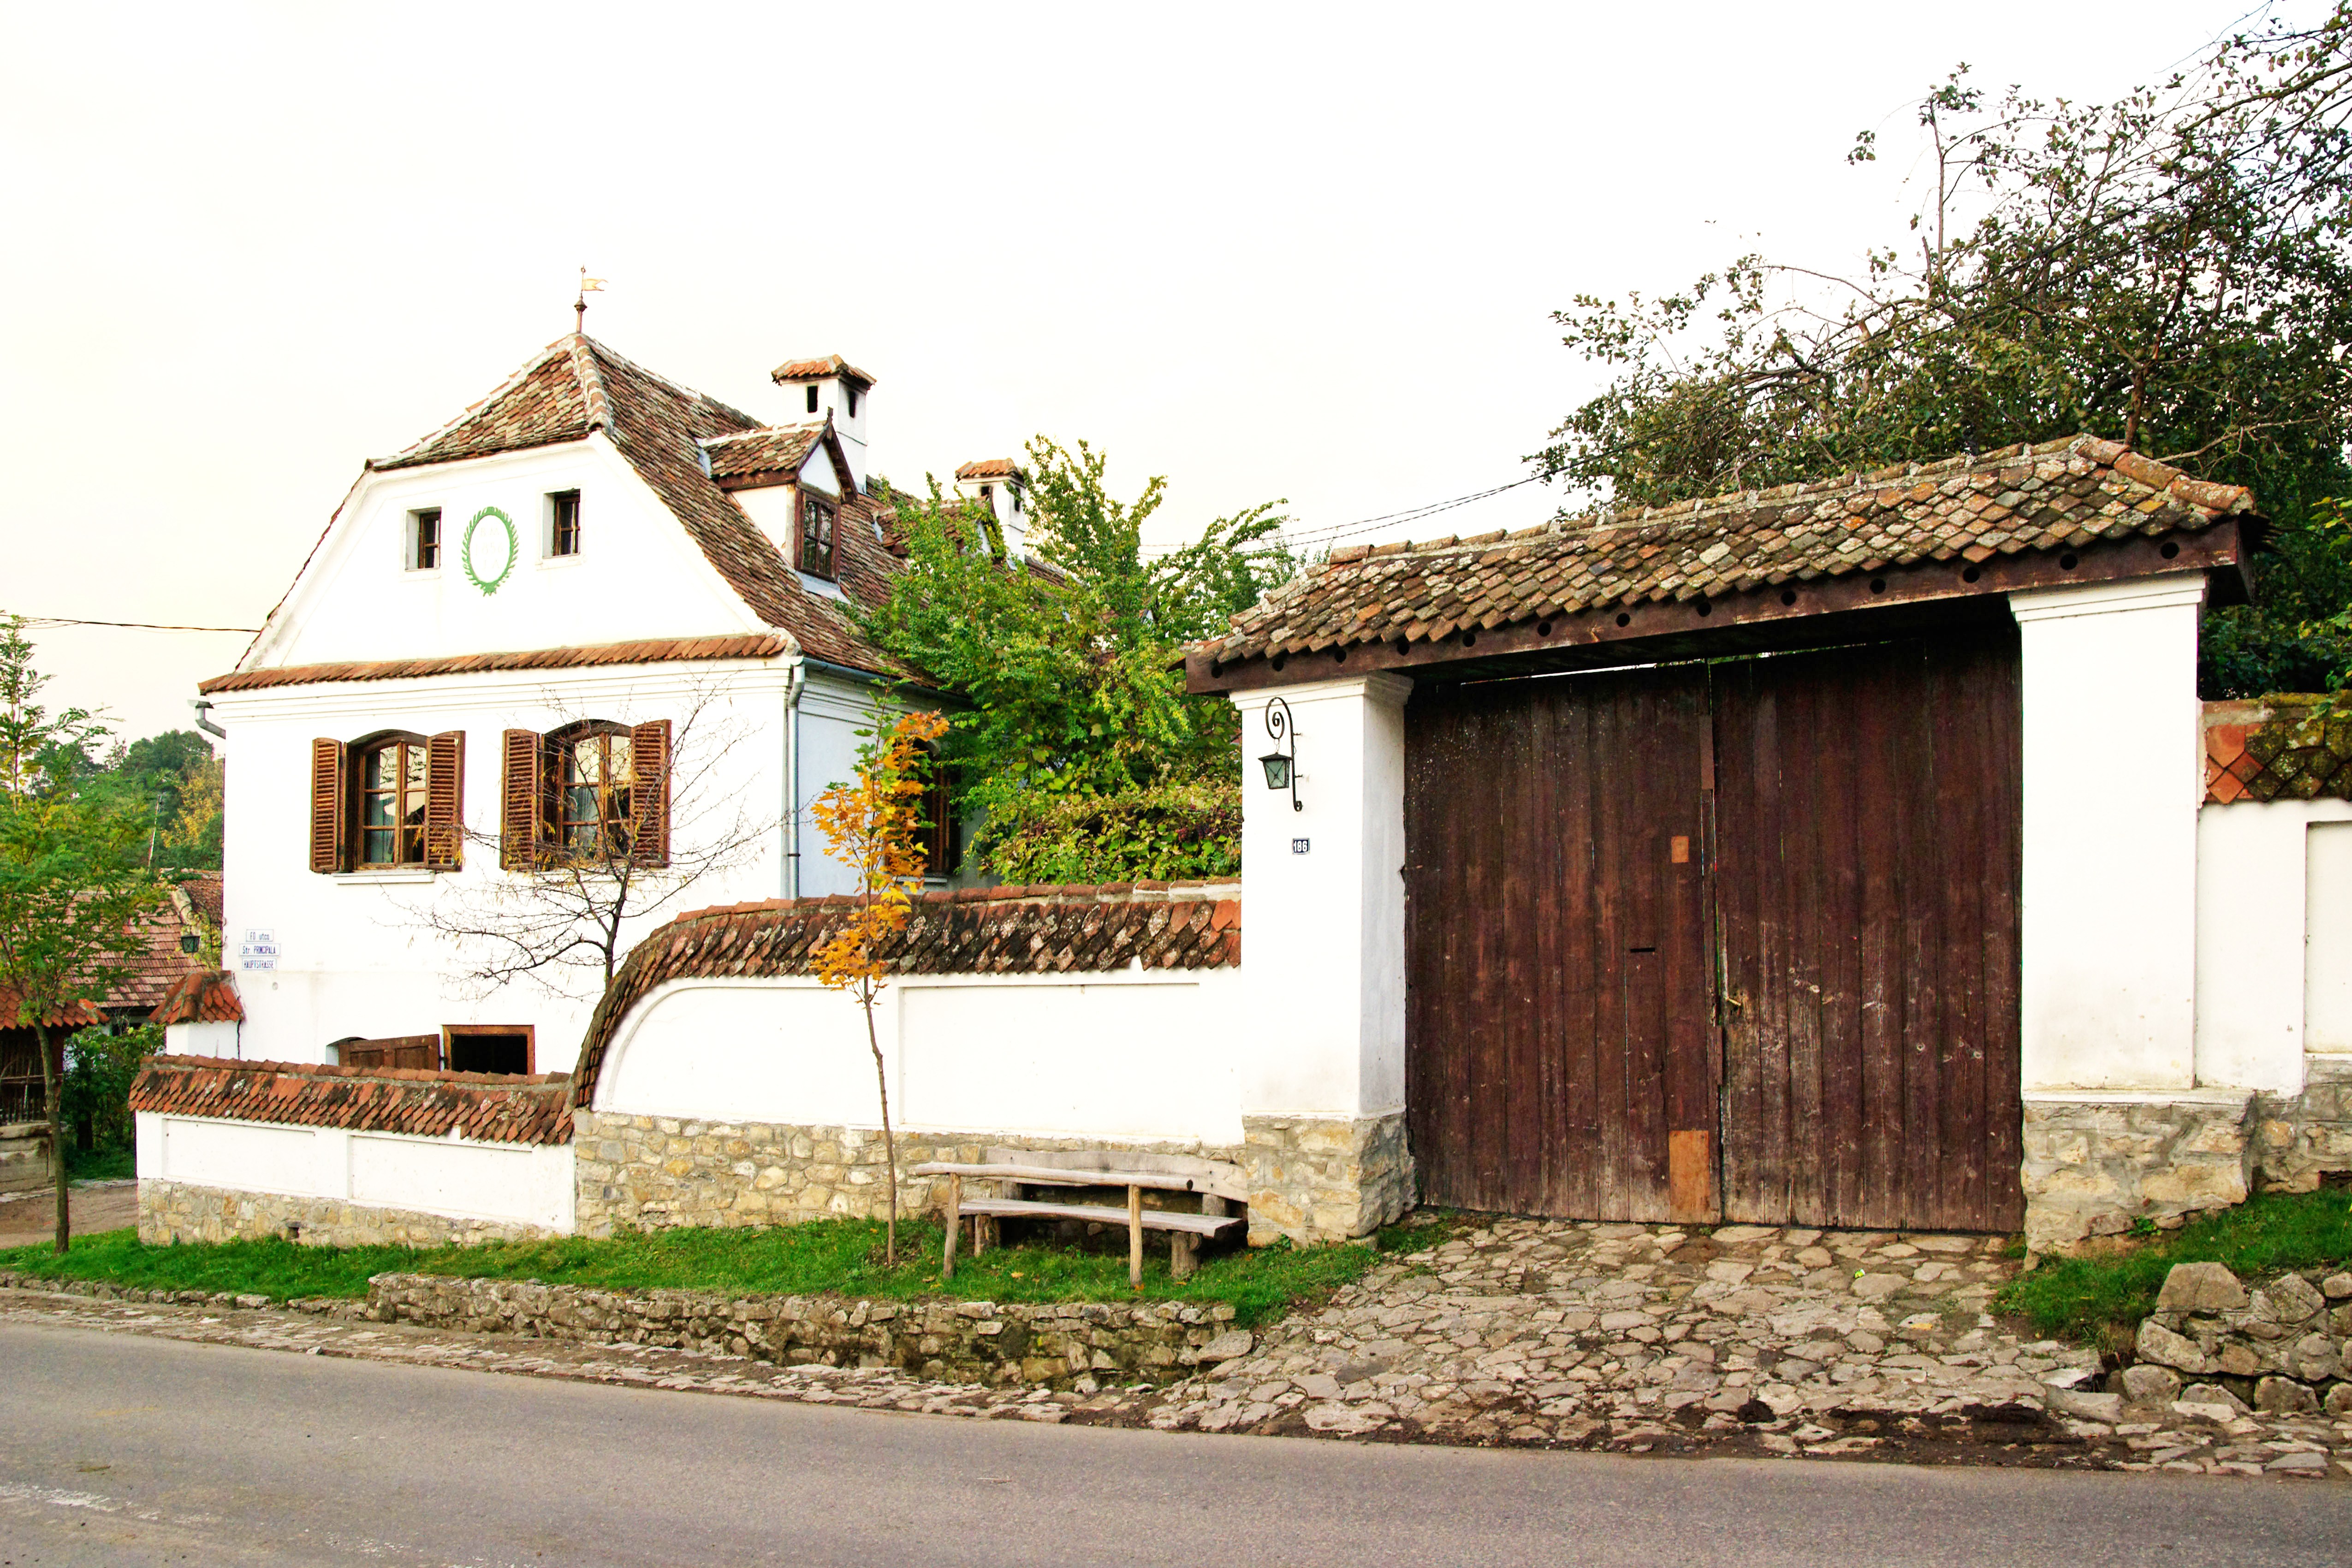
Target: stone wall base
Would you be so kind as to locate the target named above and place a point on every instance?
(24, 1157)
(2098, 1165)
(1312, 1178)
(1049, 1344)
(1317, 1178)
(176, 1211)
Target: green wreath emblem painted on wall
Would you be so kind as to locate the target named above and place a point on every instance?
(489, 582)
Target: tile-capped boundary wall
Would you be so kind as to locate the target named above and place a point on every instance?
(2277, 748)
(1325, 1178)
(2097, 1162)
(180, 1211)
(1051, 1344)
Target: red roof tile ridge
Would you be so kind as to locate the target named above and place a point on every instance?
(594, 397)
(614, 356)
(818, 369)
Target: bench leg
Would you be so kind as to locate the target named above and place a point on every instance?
(1135, 1238)
(1184, 1253)
(954, 1217)
(981, 1226)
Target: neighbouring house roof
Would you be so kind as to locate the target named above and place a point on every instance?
(824, 369)
(2057, 496)
(201, 996)
(778, 451)
(655, 650)
(206, 890)
(988, 469)
(2278, 748)
(576, 386)
(146, 976)
(72, 1015)
(494, 1110)
(995, 931)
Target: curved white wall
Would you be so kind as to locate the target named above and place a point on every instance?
(1151, 1055)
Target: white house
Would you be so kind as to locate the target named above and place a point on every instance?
(595, 607)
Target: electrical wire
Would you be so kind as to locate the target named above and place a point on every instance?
(129, 625)
(1330, 533)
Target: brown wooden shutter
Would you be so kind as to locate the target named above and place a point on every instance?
(518, 804)
(444, 801)
(649, 793)
(329, 843)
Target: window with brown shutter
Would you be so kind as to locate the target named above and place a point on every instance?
(650, 748)
(328, 811)
(519, 803)
(444, 801)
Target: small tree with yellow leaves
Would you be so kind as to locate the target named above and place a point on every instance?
(873, 826)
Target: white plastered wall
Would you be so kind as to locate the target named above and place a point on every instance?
(201, 1039)
(1323, 945)
(520, 1184)
(1150, 1055)
(2114, 765)
(2273, 940)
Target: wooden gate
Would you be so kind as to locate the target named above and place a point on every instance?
(1797, 1003)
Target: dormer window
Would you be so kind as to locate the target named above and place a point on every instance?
(816, 536)
(988, 494)
(564, 523)
(852, 392)
(812, 397)
(425, 540)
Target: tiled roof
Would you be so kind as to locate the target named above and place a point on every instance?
(2279, 748)
(205, 889)
(819, 370)
(576, 385)
(654, 650)
(201, 996)
(995, 931)
(72, 1015)
(146, 976)
(988, 469)
(2058, 495)
(481, 1105)
(779, 449)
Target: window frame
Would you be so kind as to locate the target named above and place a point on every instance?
(616, 808)
(452, 1033)
(406, 835)
(562, 530)
(812, 504)
(417, 547)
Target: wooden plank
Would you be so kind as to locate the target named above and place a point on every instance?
(1888, 788)
(1102, 1214)
(1061, 1176)
(1690, 1157)
(1576, 907)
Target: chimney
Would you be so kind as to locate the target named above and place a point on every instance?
(829, 386)
(997, 484)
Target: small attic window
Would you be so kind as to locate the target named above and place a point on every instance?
(812, 397)
(816, 537)
(988, 494)
(425, 540)
(564, 523)
(852, 392)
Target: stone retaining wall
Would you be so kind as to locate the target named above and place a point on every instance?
(2283, 1348)
(2308, 1136)
(2093, 1164)
(178, 1211)
(1064, 1345)
(1320, 1178)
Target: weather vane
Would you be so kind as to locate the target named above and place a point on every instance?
(580, 306)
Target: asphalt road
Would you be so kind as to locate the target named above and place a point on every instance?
(119, 1449)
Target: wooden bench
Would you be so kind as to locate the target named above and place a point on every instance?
(1218, 1182)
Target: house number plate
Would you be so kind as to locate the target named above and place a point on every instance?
(1298, 847)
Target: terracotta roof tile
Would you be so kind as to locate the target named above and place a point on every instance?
(2058, 495)
(481, 1105)
(778, 449)
(995, 931)
(201, 996)
(656, 651)
(819, 370)
(72, 1015)
(988, 469)
(2279, 748)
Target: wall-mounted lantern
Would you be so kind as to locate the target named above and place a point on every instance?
(1282, 767)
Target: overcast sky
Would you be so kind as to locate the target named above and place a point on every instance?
(1266, 250)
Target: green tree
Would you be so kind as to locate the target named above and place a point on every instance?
(2170, 269)
(74, 887)
(1068, 666)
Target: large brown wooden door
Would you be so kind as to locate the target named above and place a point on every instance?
(1561, 1059)
(1868, 813)
(1735, 941)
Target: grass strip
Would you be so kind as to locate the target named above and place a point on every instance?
(841, 1257)
(2102, 1295)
